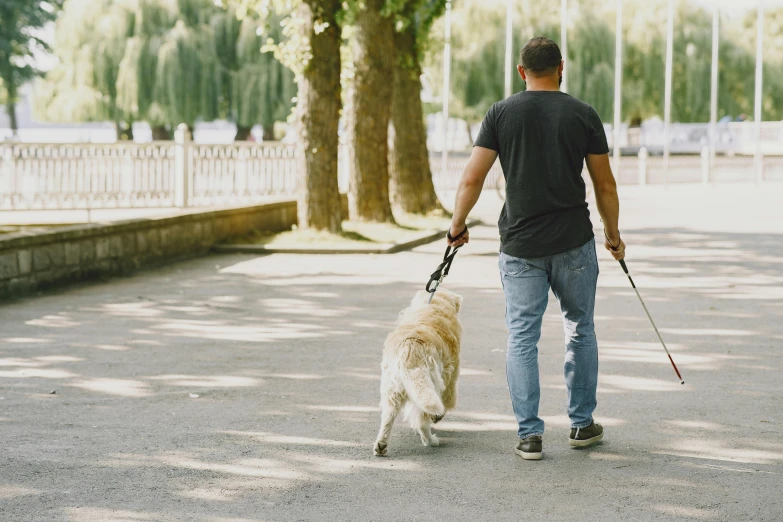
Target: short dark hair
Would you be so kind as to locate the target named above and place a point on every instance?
(540, 55)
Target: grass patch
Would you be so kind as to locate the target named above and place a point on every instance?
(354, 234)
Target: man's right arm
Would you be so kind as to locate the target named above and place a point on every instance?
(607, 200)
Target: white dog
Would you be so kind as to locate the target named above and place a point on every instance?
(421, 365)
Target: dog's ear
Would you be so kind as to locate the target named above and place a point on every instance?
(458, 301)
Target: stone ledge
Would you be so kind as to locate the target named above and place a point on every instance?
(30, 262)
(382, 248)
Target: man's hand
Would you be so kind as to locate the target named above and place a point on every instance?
(616, 248)
(455, 229)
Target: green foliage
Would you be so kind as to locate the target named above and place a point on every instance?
(19, 21)
(166, 62)
(478, 50)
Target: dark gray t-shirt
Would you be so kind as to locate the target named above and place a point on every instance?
(542, 139)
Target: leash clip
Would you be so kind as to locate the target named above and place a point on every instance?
(442, 271)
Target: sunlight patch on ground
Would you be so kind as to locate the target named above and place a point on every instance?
(271, 438)
(684, 511)
(714, 450)
(347, 409)
(41, 373)
(698, 425)
(24, 340)
(300, 306)
(207, 381)
(621, 382)
(294, 376)
(220, 331)
(121, 387)
(330, 465)
(707, 331)
(53, 321)
(468, 372)
(9, 492)
(79, 514)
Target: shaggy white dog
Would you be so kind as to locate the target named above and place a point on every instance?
(420, 366)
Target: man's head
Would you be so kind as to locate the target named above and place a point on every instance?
(541, 62)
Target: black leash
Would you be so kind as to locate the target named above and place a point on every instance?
(442, 271)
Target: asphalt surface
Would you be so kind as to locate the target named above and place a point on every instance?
(238, 387)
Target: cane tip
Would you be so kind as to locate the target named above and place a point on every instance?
(682, 382)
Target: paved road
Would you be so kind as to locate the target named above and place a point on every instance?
(236, 387)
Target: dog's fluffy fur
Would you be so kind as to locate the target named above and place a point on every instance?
(420, 366)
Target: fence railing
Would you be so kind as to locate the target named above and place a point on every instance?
(181, 173)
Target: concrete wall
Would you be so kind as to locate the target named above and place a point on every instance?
(32, 262)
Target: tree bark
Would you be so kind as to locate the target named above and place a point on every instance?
(10, 109)
(242, 133)
(317, 114)
(411, 184)
(269, 132)
(369, 123)
(160, 133)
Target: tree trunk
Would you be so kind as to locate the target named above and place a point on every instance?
(124, 131)
(411, 179)
(160, 133)
(317, 114)
(10, 108)
(242, 133)
(369, 122)
(11, 99)
(269, 132)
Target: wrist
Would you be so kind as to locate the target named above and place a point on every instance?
(613, 237)
(457, 225)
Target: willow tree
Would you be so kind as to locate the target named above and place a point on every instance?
(368, 122)
(187, 75)
(137, 80)
(411, 184)
(256, 88)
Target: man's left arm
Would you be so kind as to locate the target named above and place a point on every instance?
(469, 190)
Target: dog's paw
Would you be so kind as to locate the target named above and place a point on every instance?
(437, 418)
(379, 450)
(434, 441)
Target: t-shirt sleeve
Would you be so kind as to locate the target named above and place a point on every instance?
(487, 136)
(596, 142)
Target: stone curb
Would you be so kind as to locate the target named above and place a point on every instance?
(384, 248)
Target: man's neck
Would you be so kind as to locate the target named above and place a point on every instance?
(542, 86)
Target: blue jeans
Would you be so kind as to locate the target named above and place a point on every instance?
(526, 282)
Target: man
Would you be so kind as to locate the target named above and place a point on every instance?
(543, 136)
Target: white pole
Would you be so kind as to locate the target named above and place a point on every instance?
(714, 88)
(618, 83)
(667, 104)
(564, 41)
(509, 48)
(446, 92)
(759, 93)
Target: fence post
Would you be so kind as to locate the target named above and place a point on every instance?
(705, 164)
(181, 178)
(9, 172)
(643, 165)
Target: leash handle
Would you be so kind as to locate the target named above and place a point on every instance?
(443, 269)
(448, 234)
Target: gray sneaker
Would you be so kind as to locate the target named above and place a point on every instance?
(587, 436)
(530, 448)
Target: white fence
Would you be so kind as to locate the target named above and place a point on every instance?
(181, 173)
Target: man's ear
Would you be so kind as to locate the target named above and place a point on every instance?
(521, 71)
(560, 68)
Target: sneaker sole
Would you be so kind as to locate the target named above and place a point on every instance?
(585, 443)
(529, 456)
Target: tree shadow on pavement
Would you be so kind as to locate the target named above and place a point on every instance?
(245, 388)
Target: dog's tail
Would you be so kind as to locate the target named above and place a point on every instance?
(421, 390)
